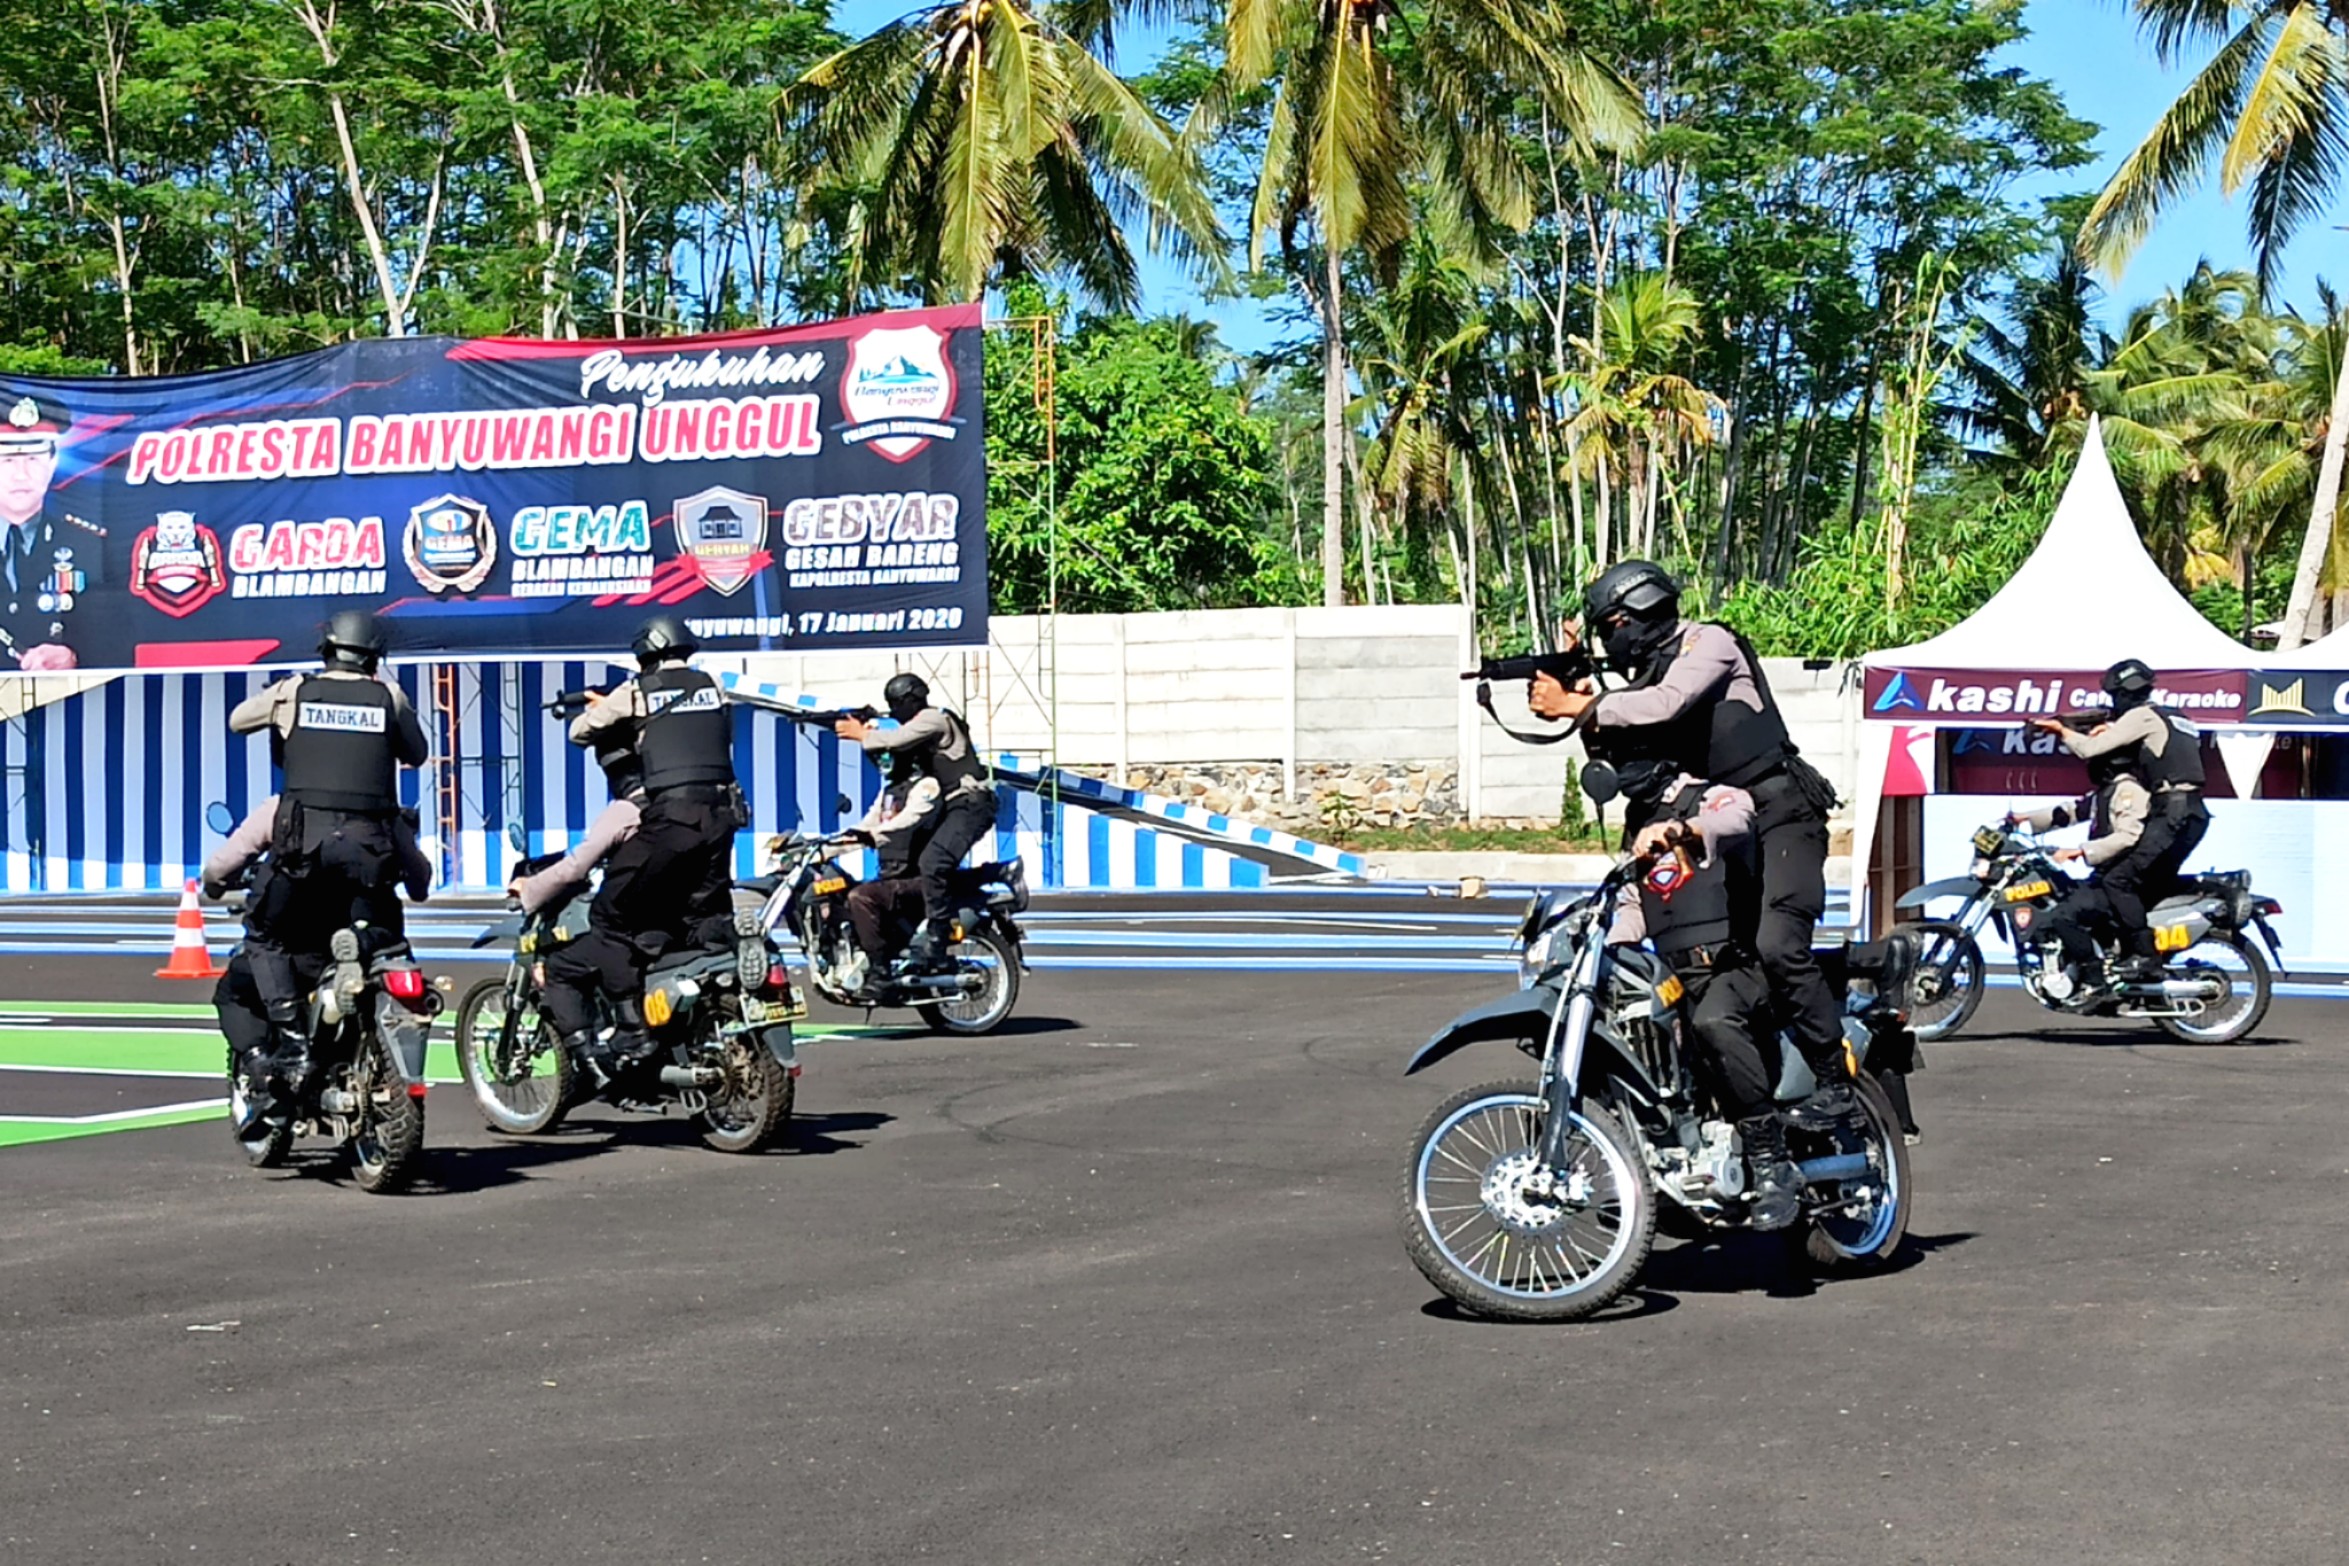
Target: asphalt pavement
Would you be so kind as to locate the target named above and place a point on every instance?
(1125, 1284)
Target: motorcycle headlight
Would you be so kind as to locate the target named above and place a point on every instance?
(1536, 959)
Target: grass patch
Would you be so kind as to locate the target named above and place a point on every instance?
(1470, 840)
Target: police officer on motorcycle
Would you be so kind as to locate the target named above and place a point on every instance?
(1697, 906)
(940, 741)
(340, 737)
(1697, 695)
(2166, 754)
(671, 883)
(2117, 805)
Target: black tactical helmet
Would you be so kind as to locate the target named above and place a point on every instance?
(1631, 609)
(905, 695)
(662, 639)
(352, 639)
(2129, 683)
(2112, 765)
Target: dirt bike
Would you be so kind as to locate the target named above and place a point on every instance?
(808, 895)
(1539, 1200)
(368, 1018)
(720, 1020)
(2216, 981)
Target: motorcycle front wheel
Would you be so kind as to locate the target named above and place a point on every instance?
(388, 1148)
(1947, 986)
(2250, 984)
(522, 1081)
(268, 1146)
(1504, 1237)
(982, 1010)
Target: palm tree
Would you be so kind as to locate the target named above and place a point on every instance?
(1635, 414)
(2023, 376)
(1369, 101)
(2273, 106)
(984, 137)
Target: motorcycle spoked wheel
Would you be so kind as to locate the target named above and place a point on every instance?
(1856, 1240)
(1474, 1230)
(1946, 988)
(985, 1010)
(2250, 986)
(273, 1143)
(387, 1144)
(523, 1082)
(750, 1111)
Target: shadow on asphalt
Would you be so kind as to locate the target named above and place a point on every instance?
(811, 1136)
(455, 1171)
(2133, 1038)
(1735, 1263)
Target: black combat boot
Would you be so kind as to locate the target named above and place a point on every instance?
(1777, 1188)
(1831, 1104)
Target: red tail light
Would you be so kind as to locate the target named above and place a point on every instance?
(418, 1089)
(778, 978)
(404, 983)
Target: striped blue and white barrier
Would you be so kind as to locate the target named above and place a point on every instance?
(107, 790)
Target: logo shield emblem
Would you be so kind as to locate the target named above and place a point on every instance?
(175, 565)
(451, 544)
(723, 531)
(898, 391)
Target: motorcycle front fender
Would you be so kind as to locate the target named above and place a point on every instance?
(505, 930)
(1523, 1015)
(1952, 886)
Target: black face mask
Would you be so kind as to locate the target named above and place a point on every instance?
(1631, 641)
(902, 708)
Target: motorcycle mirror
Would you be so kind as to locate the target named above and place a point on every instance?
(216, 817)
(1600, 783)
(518, 835)
(844, 805)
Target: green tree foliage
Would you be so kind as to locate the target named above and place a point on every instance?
(1168, 490)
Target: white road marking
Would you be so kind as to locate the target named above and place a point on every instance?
(114, 1114)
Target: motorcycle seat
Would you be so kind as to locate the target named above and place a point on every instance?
(693, 963)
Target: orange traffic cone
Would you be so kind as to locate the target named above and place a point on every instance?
(189, 959)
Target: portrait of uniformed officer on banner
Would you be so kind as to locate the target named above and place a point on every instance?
(49, 558)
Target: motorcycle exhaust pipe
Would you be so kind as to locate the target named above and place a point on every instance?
(689, 1076)
(1841, 1166)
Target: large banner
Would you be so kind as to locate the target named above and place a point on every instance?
(1952, 696)
(809, 487)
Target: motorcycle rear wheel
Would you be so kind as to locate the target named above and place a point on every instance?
(1947, 986)
(985, 1011)
(2250, 986)
(1856, 1241)
(751, 1111)
(1466, 1208)
(523, 1094)
(388, 1148)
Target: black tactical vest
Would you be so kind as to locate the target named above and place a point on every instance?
(342, 754)
(687, 736)
(1686, 903)
(1726, 741)
(2180, 763)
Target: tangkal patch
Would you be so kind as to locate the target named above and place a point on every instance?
(339, 719)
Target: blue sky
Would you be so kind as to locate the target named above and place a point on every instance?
(2088, 48)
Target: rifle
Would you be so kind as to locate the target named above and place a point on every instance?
(1568, 668)
(568, 705)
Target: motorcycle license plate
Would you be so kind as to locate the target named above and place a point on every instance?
(2028, 890)
(829, 885)
(1669, 992)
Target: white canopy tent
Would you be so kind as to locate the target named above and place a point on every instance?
(2088, 596)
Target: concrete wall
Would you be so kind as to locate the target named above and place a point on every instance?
(1298, 687)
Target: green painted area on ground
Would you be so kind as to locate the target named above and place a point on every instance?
(78, 1008)
(24, 1134)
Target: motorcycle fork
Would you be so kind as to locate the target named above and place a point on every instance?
(1562, 1063)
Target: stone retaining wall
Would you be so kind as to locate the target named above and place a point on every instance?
(1328, 793)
